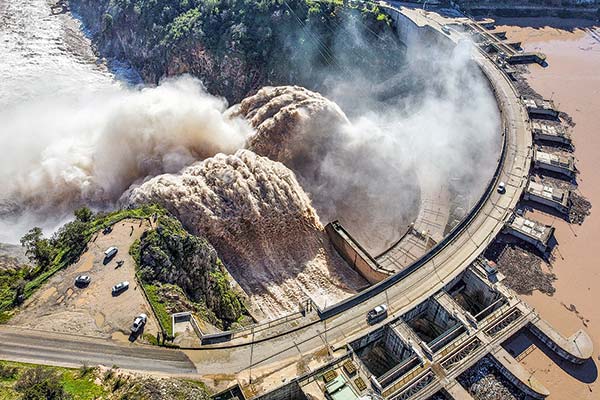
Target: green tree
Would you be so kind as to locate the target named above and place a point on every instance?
(38, 249)
(19, 292)
(71, 240)
(84, 214)
(41, 384)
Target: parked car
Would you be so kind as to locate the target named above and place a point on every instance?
(110, 252)
(377, 314)
(107, 230)
(120, 287)
(83, 280)
(139, 322)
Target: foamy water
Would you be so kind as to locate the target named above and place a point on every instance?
(73, 134)
(44, 55)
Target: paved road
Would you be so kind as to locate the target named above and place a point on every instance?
(22, 345)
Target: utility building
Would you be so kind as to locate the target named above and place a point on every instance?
(550, 133)
(530, 231)
(540, 108)
(549, 196)
(560, 163)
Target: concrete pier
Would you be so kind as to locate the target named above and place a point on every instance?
(519, 376)
(530, 231)
(551, 133)
(538, 108)
(563, 164)
(578, 348)
(549, 196)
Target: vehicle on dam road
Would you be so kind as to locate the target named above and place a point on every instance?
(377, 314)
(501, 188)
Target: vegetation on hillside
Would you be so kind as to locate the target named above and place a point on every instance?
(48, 255)
(33, 382)
(237, 46)
(182, 272)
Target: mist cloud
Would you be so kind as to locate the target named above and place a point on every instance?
(59, 153)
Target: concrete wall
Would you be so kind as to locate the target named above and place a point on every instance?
(354, 254)
(291, 391)
(475, 284)
(368, 339)
(395, 346)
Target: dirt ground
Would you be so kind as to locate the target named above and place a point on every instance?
(60, 306)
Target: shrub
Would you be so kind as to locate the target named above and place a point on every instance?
(41, 384)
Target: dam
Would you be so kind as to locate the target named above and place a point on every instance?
(448, 308)
(449, 311)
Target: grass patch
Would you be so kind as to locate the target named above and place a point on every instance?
(159, 307)
(79, 386)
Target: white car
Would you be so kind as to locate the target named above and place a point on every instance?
(501, 188)
(377, 314)
(119, 287)
(138, 322)
(110, 252)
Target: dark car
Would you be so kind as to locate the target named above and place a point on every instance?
(83, 280)
(120, 287)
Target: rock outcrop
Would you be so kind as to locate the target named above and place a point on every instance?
(169, 254)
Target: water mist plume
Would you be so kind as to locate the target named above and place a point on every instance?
(60, 153)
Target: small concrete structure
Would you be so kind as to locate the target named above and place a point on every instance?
(527, 58)
(530, 231)
(550, 133)
(555, 198)
(517, 375)
(387, 353)
(354, 254)
(577, 349)
(538, 108)
(553, 162)
(475, 294)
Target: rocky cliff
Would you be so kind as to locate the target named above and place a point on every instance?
(169, 254)
(236, 47)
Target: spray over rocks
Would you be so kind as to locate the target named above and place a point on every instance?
(255, 213)
(337, 162)
(90, 149)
